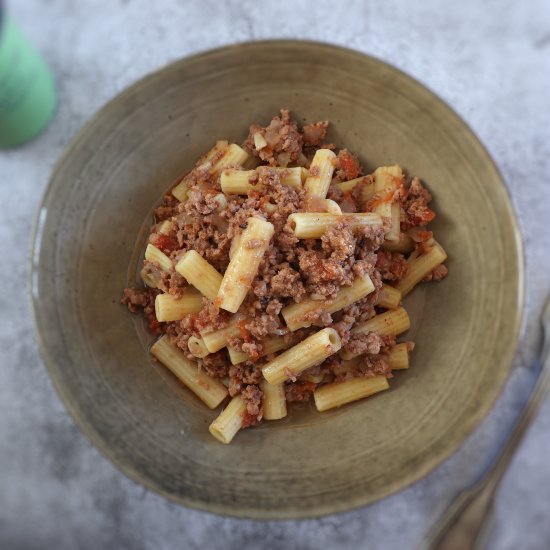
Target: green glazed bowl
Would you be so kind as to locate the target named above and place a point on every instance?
(90, 236)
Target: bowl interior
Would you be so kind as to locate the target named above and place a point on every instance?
(90, 238)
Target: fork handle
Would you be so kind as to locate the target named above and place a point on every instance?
(466, 524)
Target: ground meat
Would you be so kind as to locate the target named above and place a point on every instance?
(299, 391)
(202, 202)
(254, 349)
(164, 212)
(343, 327)
(165, 243)
(314, 134)
(287, 283)
(210, 317)
(176, 284)
(347, 166)
(137, 298)
(209, 241)
(216, 364)
(168, 281)
(338, 242)
(392, 265)
(363, 309)
(420, 234)
(168, 207)
(284, 141)
(318, 317)
(415, 206)
(179, 333)
(242, 375)
(374, 365)
(388, 343)
(335, 193)
(439, 273)
(324, 276)
(369, 343)
(143, 298)
(264, 324)
(368, 240)
(252, 397)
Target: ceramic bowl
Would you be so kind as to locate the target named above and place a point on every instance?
(90, 236)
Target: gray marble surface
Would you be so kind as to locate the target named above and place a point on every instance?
(490, 60)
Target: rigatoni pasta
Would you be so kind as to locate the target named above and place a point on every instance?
(244, 264)
(211, 392)
(169, 307)
(314, 349)
(198, 272)
(387, 180)
(274, 400)
(320, 173)
(308, 225)
(275, 273)
(156, 256)
(229, 422)
(420, 267)
(337, 394)
(267, 347)
(242, 182)
(299, 315)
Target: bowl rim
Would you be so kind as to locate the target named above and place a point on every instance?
(277, 515)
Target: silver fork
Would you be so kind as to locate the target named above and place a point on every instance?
(467, 522)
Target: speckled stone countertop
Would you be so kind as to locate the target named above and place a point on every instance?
(489, 60)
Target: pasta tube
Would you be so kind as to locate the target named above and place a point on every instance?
(309, 352)
(274, 400)
(389, 323)
(269, 345)
(217, 339)
(198, 272)
(320, 174)
(233, 156)
(298, 315)
(150, 279)
(157, 257)
(331, 207)
(173, 308)
(421, 266)
(327, 206)
(387, 179)
(316, 378)
(313, 225)
(366, 184)
(403, 244)
(244, 264)
(399, 356)
(197, 347)
(237, 182)
(236, 356)
(259, 141)
(165, 227)
(348, 186)
(181, 189)
(229, 422)
(395, 214)
(389, 298)
(337, 394)
(210, 391)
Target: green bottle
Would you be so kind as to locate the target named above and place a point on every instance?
(27, 92)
